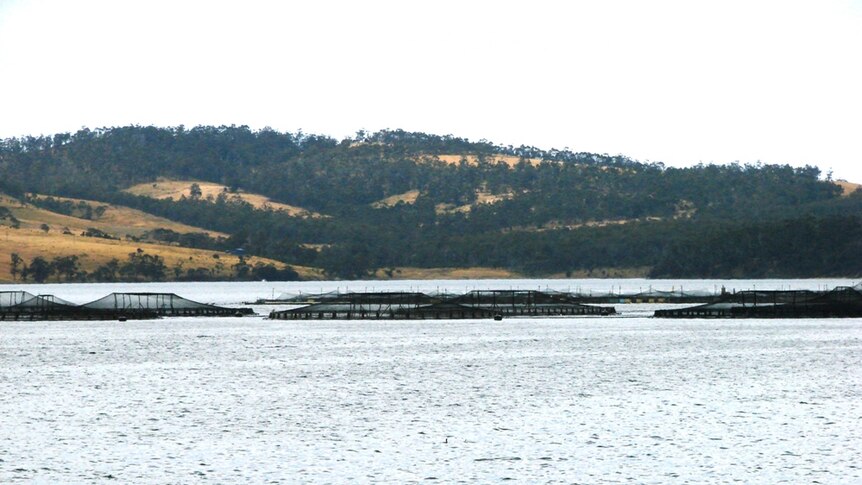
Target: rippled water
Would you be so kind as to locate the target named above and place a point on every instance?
(583, 400)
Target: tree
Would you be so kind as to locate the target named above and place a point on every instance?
(108, 271)
(45, 227)
(39, 269)
(66, 265)
(195, 191)
(242, 269)
(148, 266)
(15, 265)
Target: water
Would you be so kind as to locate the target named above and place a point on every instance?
(584, 400)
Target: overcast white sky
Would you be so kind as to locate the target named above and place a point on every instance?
(672, 81)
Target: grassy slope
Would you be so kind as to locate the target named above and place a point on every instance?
(174, 189)
(408, 273)
(847, 187)
(30, 241)
(509, 160)
(408, 197)
(116, 220)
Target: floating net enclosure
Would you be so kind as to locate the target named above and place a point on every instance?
(647, 296)
(382, 311)
(20, 305)
(164, 304)
(409, 305)
(840, 302)
(45, 302)
(12, 298)
(528, 303)
(50, 307)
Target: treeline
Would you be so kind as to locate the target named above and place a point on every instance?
(79, 209)
(139, 266)
(358, 248)
(335, 177)
(792, 248)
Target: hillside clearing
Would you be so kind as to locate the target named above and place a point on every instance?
(482, 197)
(408, 197)
(477, 273)
(94, 252)
(175, 189)
(847, 187)
(115, 220)
(510, 160)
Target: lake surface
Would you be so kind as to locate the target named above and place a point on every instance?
(555, 400)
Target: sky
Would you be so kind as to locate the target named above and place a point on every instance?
(679, 82)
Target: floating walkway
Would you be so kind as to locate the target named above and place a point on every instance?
(408, 306)
(20, 305)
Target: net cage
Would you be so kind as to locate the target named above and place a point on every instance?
(16, 305)
(475, 304)
(12, 298)
(839, 302)
(144, 301)
(45, 302)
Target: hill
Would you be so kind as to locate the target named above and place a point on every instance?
(378, 203)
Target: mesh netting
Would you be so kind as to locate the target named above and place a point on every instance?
(12, 298)
(45, 302)
(145, 301)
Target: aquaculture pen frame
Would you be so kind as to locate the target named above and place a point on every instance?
(403, 305)
(116, 306)
(841, 302)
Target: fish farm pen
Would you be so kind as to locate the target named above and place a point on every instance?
(20, 305)
(648, 296)
(411, 305)
(528, 303)
(842, 302)
(579, 297)
(163, 304)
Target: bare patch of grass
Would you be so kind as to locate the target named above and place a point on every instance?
(509, 160)
(408, 197)
(175, 189)
(847, 187)
(115, 220)
(409, 273)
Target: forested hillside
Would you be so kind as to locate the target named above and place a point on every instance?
(395, 199)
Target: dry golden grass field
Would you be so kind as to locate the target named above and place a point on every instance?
(116, 220)
(509, 160)
(408, 273)
(29, 240)
(847, 187)
(174, 189)
(408, 197)
(94, 252)
(482, 197)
